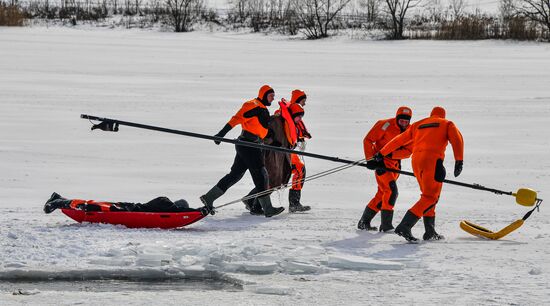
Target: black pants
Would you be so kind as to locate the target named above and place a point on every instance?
(160, 204)
(247, 158)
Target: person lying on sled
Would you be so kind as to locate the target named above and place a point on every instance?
(160, 204)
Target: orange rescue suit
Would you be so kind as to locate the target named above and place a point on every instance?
(298, 166)
(379, 135)
(250, 117)
(429, 138)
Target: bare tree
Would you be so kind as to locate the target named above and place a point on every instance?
(506, 9)
(372, 8)
(156, 9)
(257, 10)
(183, 13)
(239, 9)
(536, 10)
(457, 7)
(115, 6)
(397, 9)
(137, 4)
(435, 12)
(317, 15)
(127, 10)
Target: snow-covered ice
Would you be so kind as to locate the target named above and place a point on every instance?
(496, 92)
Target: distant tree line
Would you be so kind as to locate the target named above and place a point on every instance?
(399, 19)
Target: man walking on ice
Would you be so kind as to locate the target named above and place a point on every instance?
(297, 102)
(254, 120)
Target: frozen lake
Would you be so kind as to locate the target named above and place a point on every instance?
(496, 92)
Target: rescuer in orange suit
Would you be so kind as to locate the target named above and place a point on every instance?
(430, 137)
(254, 120)
(297, 101)
(384, 199)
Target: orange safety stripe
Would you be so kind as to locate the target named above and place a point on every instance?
(105, 206)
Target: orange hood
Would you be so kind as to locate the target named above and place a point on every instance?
(297, 96)
(438, 111)
(296, 110)
(263, 92)
(403, 113)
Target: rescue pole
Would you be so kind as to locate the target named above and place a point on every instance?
(114, 128)
(524, 196)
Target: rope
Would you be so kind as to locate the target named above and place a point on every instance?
(537, 207)
(287, 185)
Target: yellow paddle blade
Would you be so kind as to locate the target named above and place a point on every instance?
(482, 232)
(526, 196)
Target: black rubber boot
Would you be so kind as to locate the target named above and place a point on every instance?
(269, 210)
(364, 222)
(252, 204)
(386, 225)
(248, 204)
(256, 208)
(294, 204)
(209, 198)
(404, 228)
(429, 226)
(56, 201)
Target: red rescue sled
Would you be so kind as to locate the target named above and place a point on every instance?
(136, 219)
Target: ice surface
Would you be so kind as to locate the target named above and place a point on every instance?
(496, 92)
(361, 263)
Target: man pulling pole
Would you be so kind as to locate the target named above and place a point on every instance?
(254, 120)
(430, 137)
(384, 200)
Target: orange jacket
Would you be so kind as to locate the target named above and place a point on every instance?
(382, 133)
(253, 117)
(104, 206)
(290, 127)
(430, 134)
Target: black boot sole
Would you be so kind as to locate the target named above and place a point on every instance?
(436, 237)
(368, 228)
(408, 237)
(365, 227)
(257, 212)
(274, 212)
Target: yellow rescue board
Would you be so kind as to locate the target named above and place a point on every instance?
(482, 232)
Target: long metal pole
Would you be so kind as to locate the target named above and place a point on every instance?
(278, 149)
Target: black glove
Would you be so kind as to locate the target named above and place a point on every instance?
(458, 167)
(380, 168)
(378, 157)
(372, 164)
(377, 163)
(222, 133)
(106, 126)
